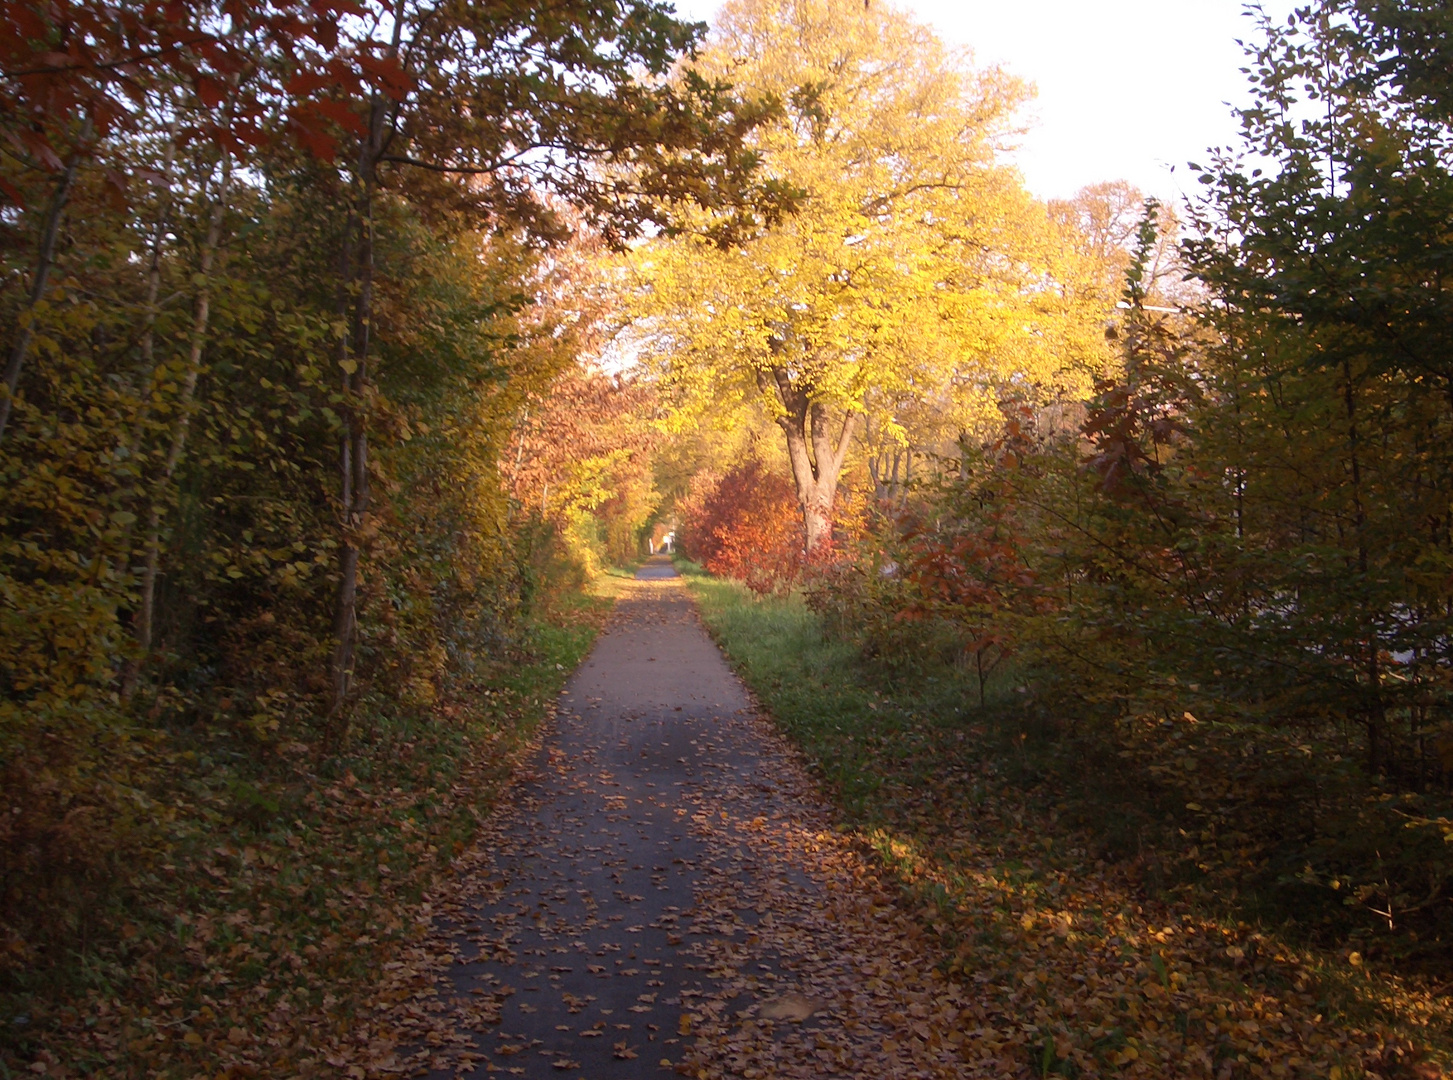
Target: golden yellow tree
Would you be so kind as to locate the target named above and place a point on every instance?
(918, 269)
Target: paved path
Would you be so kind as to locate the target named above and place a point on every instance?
(665, 893)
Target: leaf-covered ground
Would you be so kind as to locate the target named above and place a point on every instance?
(290, 911)
(664, 891)
(667, 894)
(1070, 964)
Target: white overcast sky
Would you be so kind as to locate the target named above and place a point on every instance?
(1127, 88)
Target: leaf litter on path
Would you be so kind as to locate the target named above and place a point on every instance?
(703, 830)
(666, 894)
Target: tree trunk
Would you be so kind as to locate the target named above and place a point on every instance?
(353, 459)
(153, 287)
(153, 279)
(357, 277)
(141, 624)
(1376, 710)
(201, 318)
(815, 452)
(45, 259)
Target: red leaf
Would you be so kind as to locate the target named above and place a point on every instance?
(209, 91)
(388, 73)
(12, 193)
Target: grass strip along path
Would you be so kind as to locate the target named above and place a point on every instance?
(1075, 963)
(664, 893)
(290, 913)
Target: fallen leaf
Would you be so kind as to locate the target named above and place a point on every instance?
(788, 1007)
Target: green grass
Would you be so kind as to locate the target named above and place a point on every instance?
(325, 859)
(866, 742)
(988, 815)
(801, 679)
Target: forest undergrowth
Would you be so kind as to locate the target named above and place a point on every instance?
(253, 943)
(1053, 875)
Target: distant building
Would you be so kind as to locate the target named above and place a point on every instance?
(662, 538)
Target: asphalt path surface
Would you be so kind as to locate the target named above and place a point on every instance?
(664, 893)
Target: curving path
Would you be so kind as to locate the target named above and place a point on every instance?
(665, 893)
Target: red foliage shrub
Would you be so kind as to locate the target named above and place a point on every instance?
(693, 528)
(744, 525)
(937, 580)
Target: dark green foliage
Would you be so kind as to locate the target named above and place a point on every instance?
(272, 299)
(1232, 586)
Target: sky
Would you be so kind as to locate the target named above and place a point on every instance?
(1126, 88)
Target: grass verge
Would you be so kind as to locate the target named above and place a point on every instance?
(258, 946)
(1084, 965)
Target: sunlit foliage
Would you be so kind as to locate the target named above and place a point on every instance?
(917, 280)
(1230, 570)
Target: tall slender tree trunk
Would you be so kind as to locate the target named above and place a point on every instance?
(523, 429)
(353, 493)
(353, 457)
(186, 398)
(45, 259)
(153, 283)
(353, 489)
(1376, 711)
(131, 671)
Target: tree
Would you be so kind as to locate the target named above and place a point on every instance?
(739, 525)
(1249, 530)
(252, 475)
(490, 112)
(580, 459)
(914, 271)
(1078, 249)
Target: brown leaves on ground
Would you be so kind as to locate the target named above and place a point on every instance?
(1078, 969)
(855, 990)
(303, 949)
(792, 959)
(1071, 964)
(969, 935)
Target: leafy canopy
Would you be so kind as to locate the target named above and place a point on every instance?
(917, 267)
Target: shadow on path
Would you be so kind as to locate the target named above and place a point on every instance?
(665, 894)
(657, 568)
